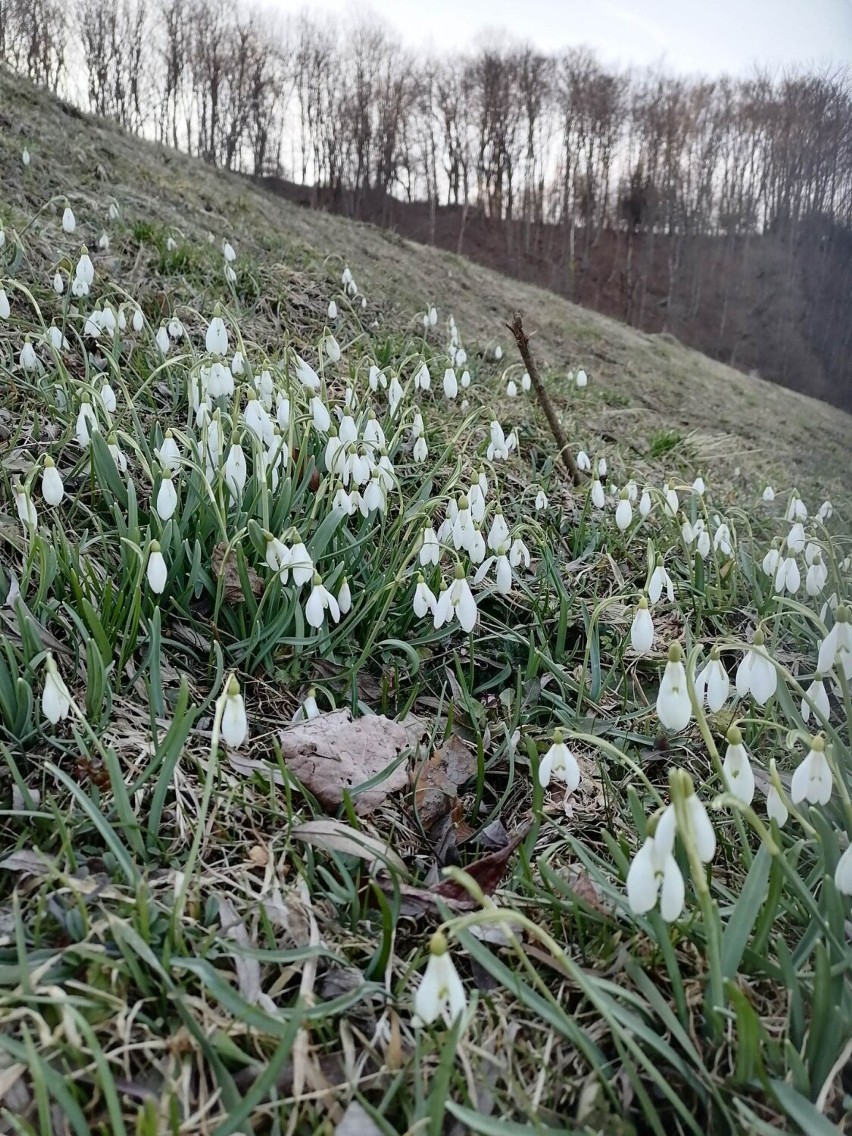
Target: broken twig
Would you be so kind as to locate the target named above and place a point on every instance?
(517, 329)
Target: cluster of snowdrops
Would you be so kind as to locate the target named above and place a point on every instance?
(298, 461)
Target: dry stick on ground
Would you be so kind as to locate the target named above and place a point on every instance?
(517, 329)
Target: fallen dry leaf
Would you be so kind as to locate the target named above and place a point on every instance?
(28, 862)
(356, 1121)
(337, 836)
(248, 969)
(436, 780)
(224, 562)
(335, 753)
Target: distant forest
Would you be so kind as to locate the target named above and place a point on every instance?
(718, 210)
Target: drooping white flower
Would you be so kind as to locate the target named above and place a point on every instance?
(138, 321)
(701, 828)
(156, 571)
(103, 242)
(69, 223)
(27, 512)
(5, 309)
(670, 500)
(526, 382)
(812, 779)
(775, 808)
(817, 576)
(642, 629)
(216, 339)
(55, 698)
(584, 462)
(796, 509)
(86, 423)
(332, 348)
(756, 673)
(28, 356)
(320, 415)
(645, 503)
(702, 539)
(511, 389)
(498, 447)
(836, 648)
(817, 694)
(430, 548)
(234, 723)
(58, 283)
(319, 602)
(108, 398)
(771, 560)
(519, 553)
(582, 379)
(541, 500)
(787, 576)
(166, 497)
(451, 386)
(301, 564)
(306, 375)
(843, 872)
(698, 486)
(739, 774)
(440, 993)
(660, 579)
(654, 873)
(768, 494)
(228, 252)
(163, 341)
(624, 512)
(712, 682)
(825, 512)
(277, 556)
(597, 494)
(673, 706)
(424, 598)
(52, 488)
(456, 601)
(559, 762)
(422, 378)
(236, 471)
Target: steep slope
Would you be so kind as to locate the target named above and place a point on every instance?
(643, 385)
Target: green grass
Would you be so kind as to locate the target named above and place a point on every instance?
(175, 954)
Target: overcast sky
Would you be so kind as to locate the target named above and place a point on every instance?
(705, 36)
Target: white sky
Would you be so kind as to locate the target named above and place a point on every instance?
(690, 36)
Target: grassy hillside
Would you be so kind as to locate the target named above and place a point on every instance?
(314, 822)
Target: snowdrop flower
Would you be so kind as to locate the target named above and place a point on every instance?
(216, 338)
(69, 223)
(309, 709)
(458, 601)
(332, 348)
(138, 321)
(584, 462)
(541, 501)
(117, 454)
(163, 341)
(166, 497)
(660, 579)
(301, 564)
(843, 872)
(670, 500)
(228, 252)
(796, 509)
(796, 538)
(702, 539)
(582, 379)
(395, 395)
(422, 378)
(424, 598)
(686, 531)
(787, 576)
(775, 808)
(698, 486)
(236, 472)
(642, 629)
(52, 488)
(440, 993)
(511, 389)
(768, 494)
(498, 447)
(644, 503)
(700, 827)
(624, 512)
(498, 352)
(526, 382)
(597, 494)
(673, 706)
(28, 356)
(836, 648)
(498, 534)
(319, 601)
(812, 780)
(451, 386)
(756, 674)
(55, 698)
(817, 693)
(86, 423)
(277, 556)
(27, 512)
(817, 576)
(771, 560)
(654, 874)
(4, 305)
(108, 398)
(824, 512)
(433, 316)
(171, 244)
(58, 284)
(739, 775)
(561, 763)
(103, 242)
(156, 569)
(238, 365)
(713, 683)
(519, 553)
(320, 414)
(234, 723)
(25, 156)
(306, 375)
(114, 212)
